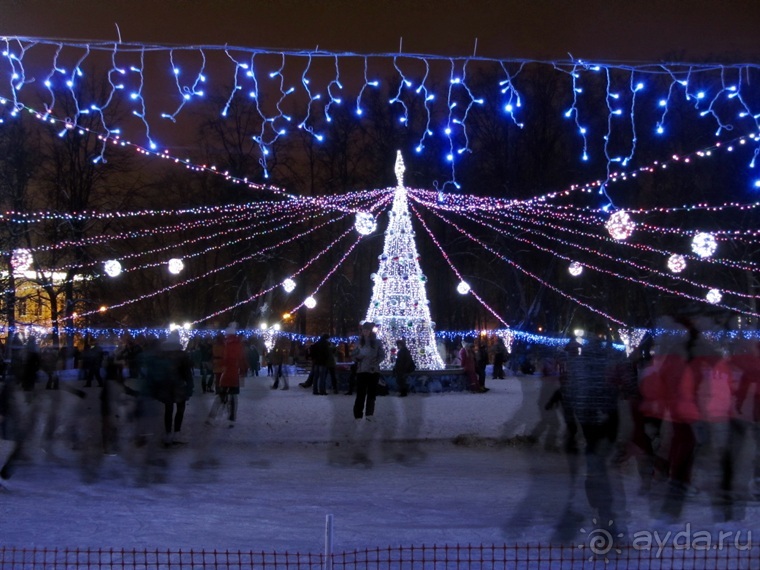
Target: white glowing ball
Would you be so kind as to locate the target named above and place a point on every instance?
(288, 285)
(704, 244)
(21, 260)
(176, 266)
(676, 263)
(365, 223)
(112, 268)
(463, 288)
(575, 269)
(713, 296)
(620, 225)
(310, 302)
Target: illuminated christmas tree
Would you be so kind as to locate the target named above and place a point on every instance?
(399, 304)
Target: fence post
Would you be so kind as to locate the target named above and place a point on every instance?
(328, 543)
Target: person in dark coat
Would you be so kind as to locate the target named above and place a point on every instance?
(403, 366)
(173, 377)
(254, 359)
(31, 366)
(92, 360)
(320, 357)
(499, 357)
(591, 391)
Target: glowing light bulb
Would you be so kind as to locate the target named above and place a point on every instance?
(676, 263)
(575, 269)
(619, 225)
(289, 285)
(713, 296)
(704, 244)
(310, 302)
(21, 260)
(112, 268)
(365, 223)
(176, 266)
(463, 288)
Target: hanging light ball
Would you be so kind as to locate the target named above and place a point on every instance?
(704, 244)
(176, 266)
(463, 288)
(575, 269)
(112, 268)
(310, 302)
(676, 263)
(21, 260)
(365, 223)
(288, 285)
(620, 225)
(713, 296)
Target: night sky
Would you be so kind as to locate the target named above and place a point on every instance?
(533, 29)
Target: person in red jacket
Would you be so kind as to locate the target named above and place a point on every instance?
(233, 364)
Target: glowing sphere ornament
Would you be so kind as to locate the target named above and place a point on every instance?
(575, 269)
(176, 266)
(704, 244)
(112, 268)
(620, 225)
(365, 223)
(21, 260)
(463, 288)
(713, 296)
(310, 302)
(676, 263)
(289, 285)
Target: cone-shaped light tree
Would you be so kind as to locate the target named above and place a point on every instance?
(399, 304)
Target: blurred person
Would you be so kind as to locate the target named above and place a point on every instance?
(131, 356)
(481, 363)
(320, 357)
(173, 378)
(368, 354)
(499, 358)
(309, 382)
(269, 357)
(217, 362)
(49, 364)
(254, 359)
(31, 367)
(279, 364)
(467, 361)
(148, 417)
(206, 351)
(403, 366)
(728, 403)
(669, 390)
(16, 348)
(646, 422)
(11, 435)
(92, 361)
(332, 365)
(592, 391)
(352, 378)
(233, 362)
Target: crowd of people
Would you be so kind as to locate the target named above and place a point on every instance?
(692, 393)
(689, 391)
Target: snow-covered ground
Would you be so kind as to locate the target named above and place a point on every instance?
(439, 469)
